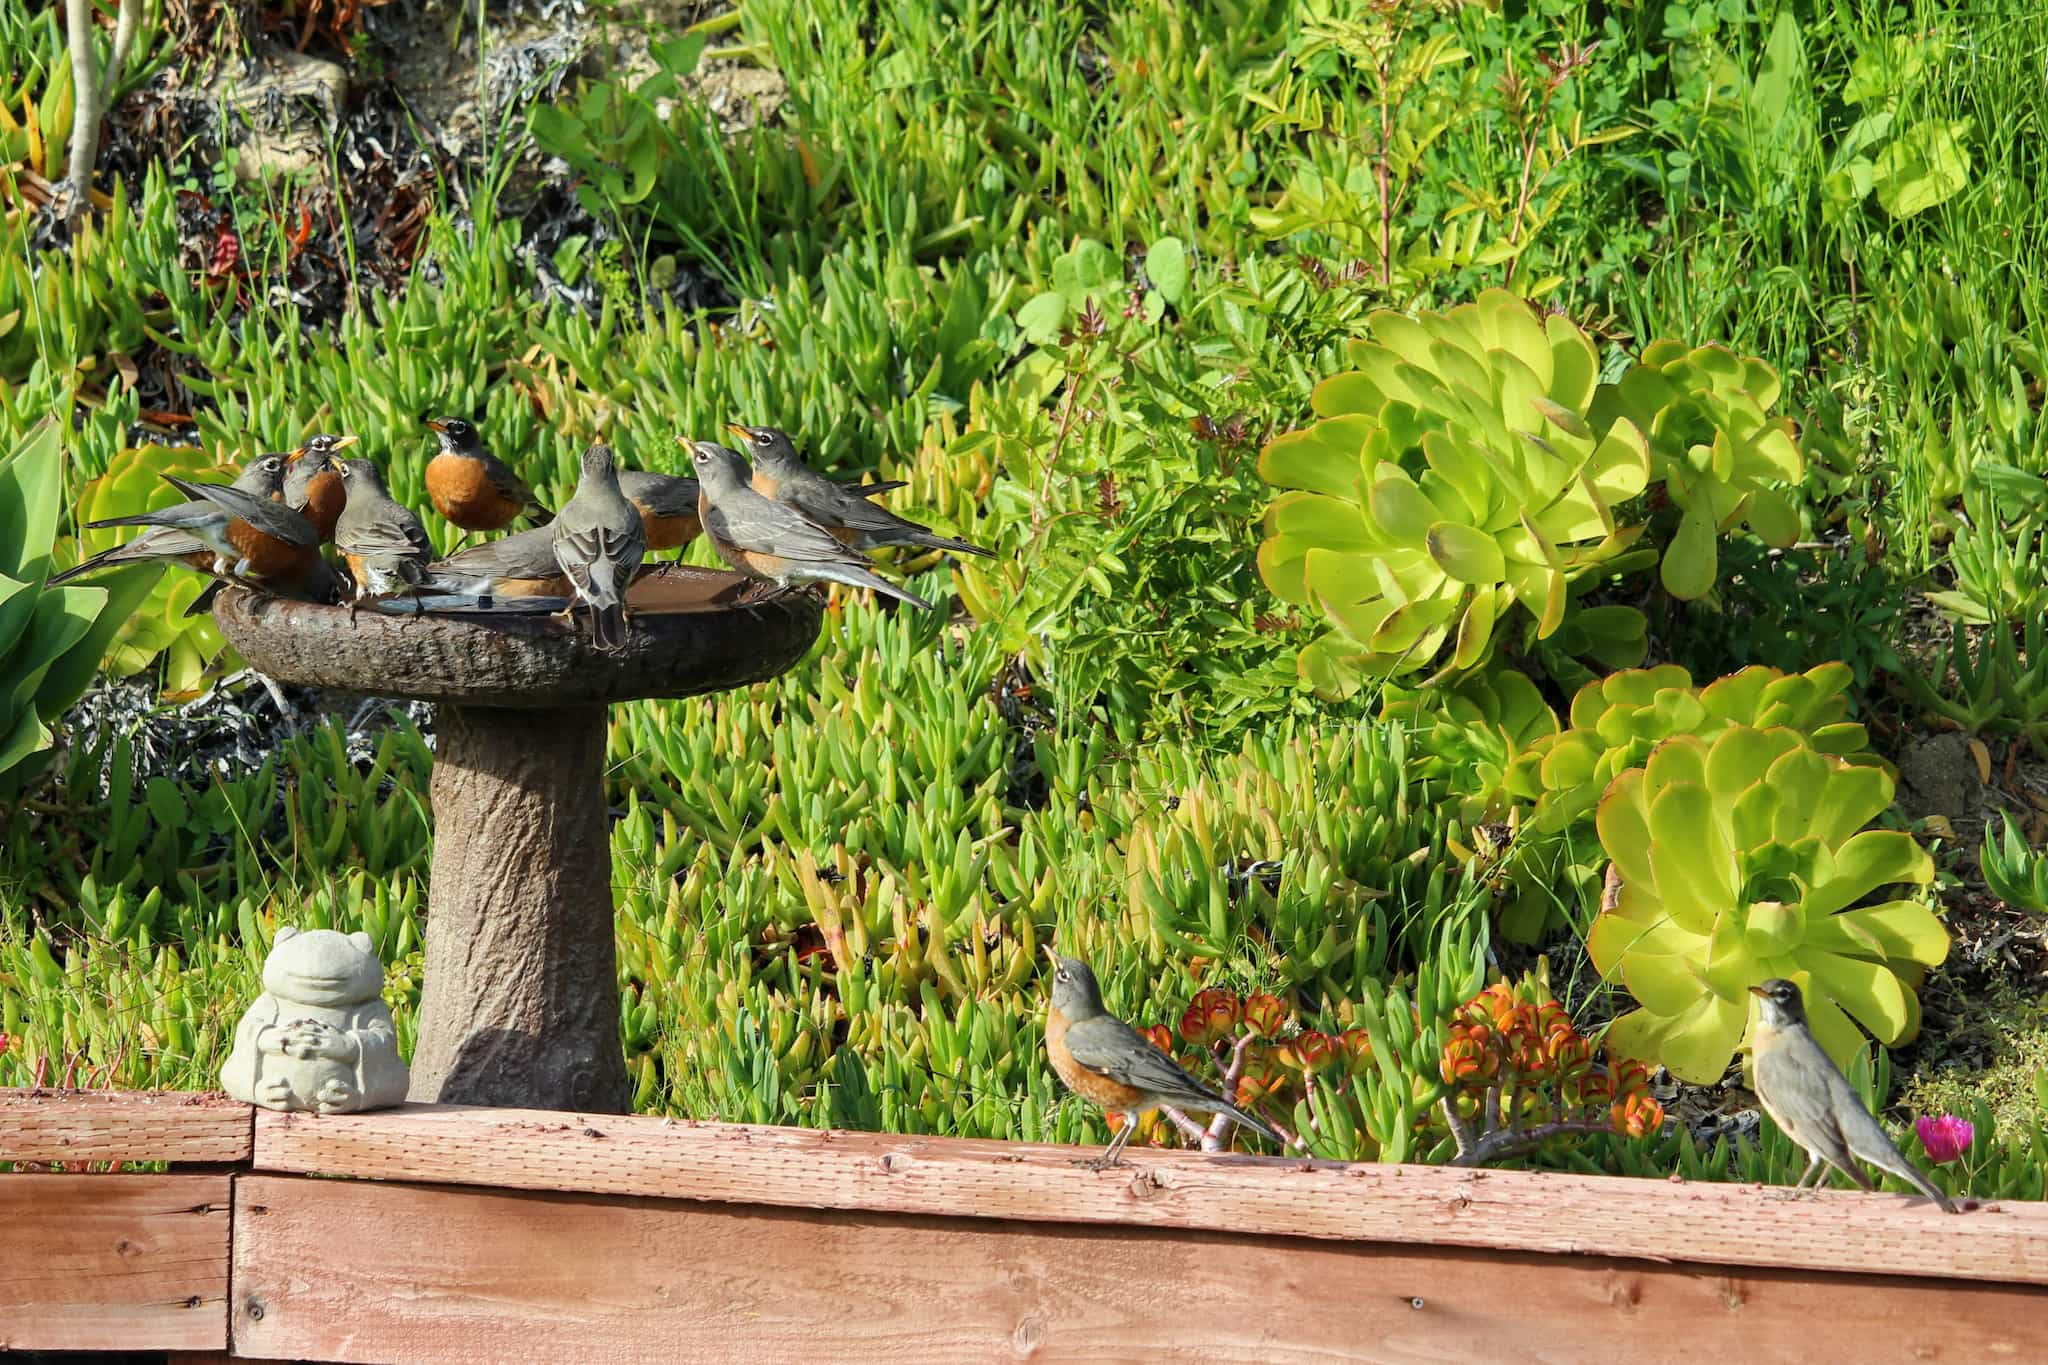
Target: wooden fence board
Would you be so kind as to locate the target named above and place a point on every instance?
(120, 1125)
(379, 1272)
(114, 1262)
(1719, 1224)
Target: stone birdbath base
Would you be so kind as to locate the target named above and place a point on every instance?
(520, 1002)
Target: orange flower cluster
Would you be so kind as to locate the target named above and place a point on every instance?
(1504, 1036)
(1276, 1066)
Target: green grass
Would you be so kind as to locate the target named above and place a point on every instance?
(934, 170)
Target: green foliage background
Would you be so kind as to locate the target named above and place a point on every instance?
(1066, 271)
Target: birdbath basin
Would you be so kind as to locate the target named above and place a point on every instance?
(520, 1002)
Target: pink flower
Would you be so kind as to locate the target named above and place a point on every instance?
(1946, 1137)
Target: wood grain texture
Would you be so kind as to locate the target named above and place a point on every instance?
(1514, 1210)
(122, 1125)
(380, 1272)
(114, 1262)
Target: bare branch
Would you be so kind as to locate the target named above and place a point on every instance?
(86, 94)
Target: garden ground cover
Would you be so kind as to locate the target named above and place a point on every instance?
(1075, 276)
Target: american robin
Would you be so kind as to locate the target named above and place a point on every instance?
(599, 543)
(770, 539)
(313, 483)
(1108, 1063)
(252, 534)
(164, 543)
(846, 512)
(472, 487)
(519, 565)
(385, 546)
(667, 505)
(1810, 1099)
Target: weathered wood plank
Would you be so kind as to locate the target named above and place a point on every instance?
(1515, 1210)
(122, 1125)
(368, 1272)
(114, 1262)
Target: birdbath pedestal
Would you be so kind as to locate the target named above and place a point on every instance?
(520, 1001)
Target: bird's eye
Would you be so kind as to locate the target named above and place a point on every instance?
(761, 439)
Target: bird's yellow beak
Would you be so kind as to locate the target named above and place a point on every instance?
(344, 442)
(1756, 991)
(1051, 956)
(685, 441)
(738, 429)
(294, 456)
(437, 424)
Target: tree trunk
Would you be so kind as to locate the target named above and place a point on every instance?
(521, 997)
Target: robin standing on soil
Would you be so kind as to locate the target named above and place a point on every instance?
(846, 512)
(383, 543)
(313, 482)
(1810, 1099)
(599, 543)
(1108, 1063)
(667, 504)
(772, 540)
(472, 487)
(167, 541)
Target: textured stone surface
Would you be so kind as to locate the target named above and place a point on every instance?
(691, 634)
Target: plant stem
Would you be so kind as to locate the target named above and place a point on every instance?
(1507, 1142)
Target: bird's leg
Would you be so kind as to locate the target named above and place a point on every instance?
(1114, 1156)
(1813, 1164)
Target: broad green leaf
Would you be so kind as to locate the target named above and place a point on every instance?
(1924, 166)
(1466, 553)
(1689, 561)
(1166, 265)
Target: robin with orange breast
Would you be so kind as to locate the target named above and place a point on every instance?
(385, 546)
(167, 543)
(473, 488)
(1108, 1063)
(313, 483)
(667, 504)
(772, 540)
(599, 543)
(779, 473)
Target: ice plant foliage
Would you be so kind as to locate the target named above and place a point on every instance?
(1945, 1137)
(1745, 859)
(1514, 1064)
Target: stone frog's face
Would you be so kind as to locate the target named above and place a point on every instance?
(322, 967)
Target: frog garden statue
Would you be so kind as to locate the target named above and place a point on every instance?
(320, 1035)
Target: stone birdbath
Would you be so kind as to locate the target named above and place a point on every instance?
(521, 994)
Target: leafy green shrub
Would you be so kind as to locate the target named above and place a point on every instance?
(1452, 477)
(51, 639)
(1740, 860)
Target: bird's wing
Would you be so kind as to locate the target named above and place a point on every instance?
(392, 536)
(1114, 1049)
(509, 485)
(583, 542)
(834, 505)
(667, 495)
(1795, 1079)
(756, 523)
(267, 515)
(529, 554)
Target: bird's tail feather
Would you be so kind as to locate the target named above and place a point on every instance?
(103, 559)
(1914, 1176)
(608, 626)
(138, 519)
(864, 578)
(1256, 1125)
(958, 547)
